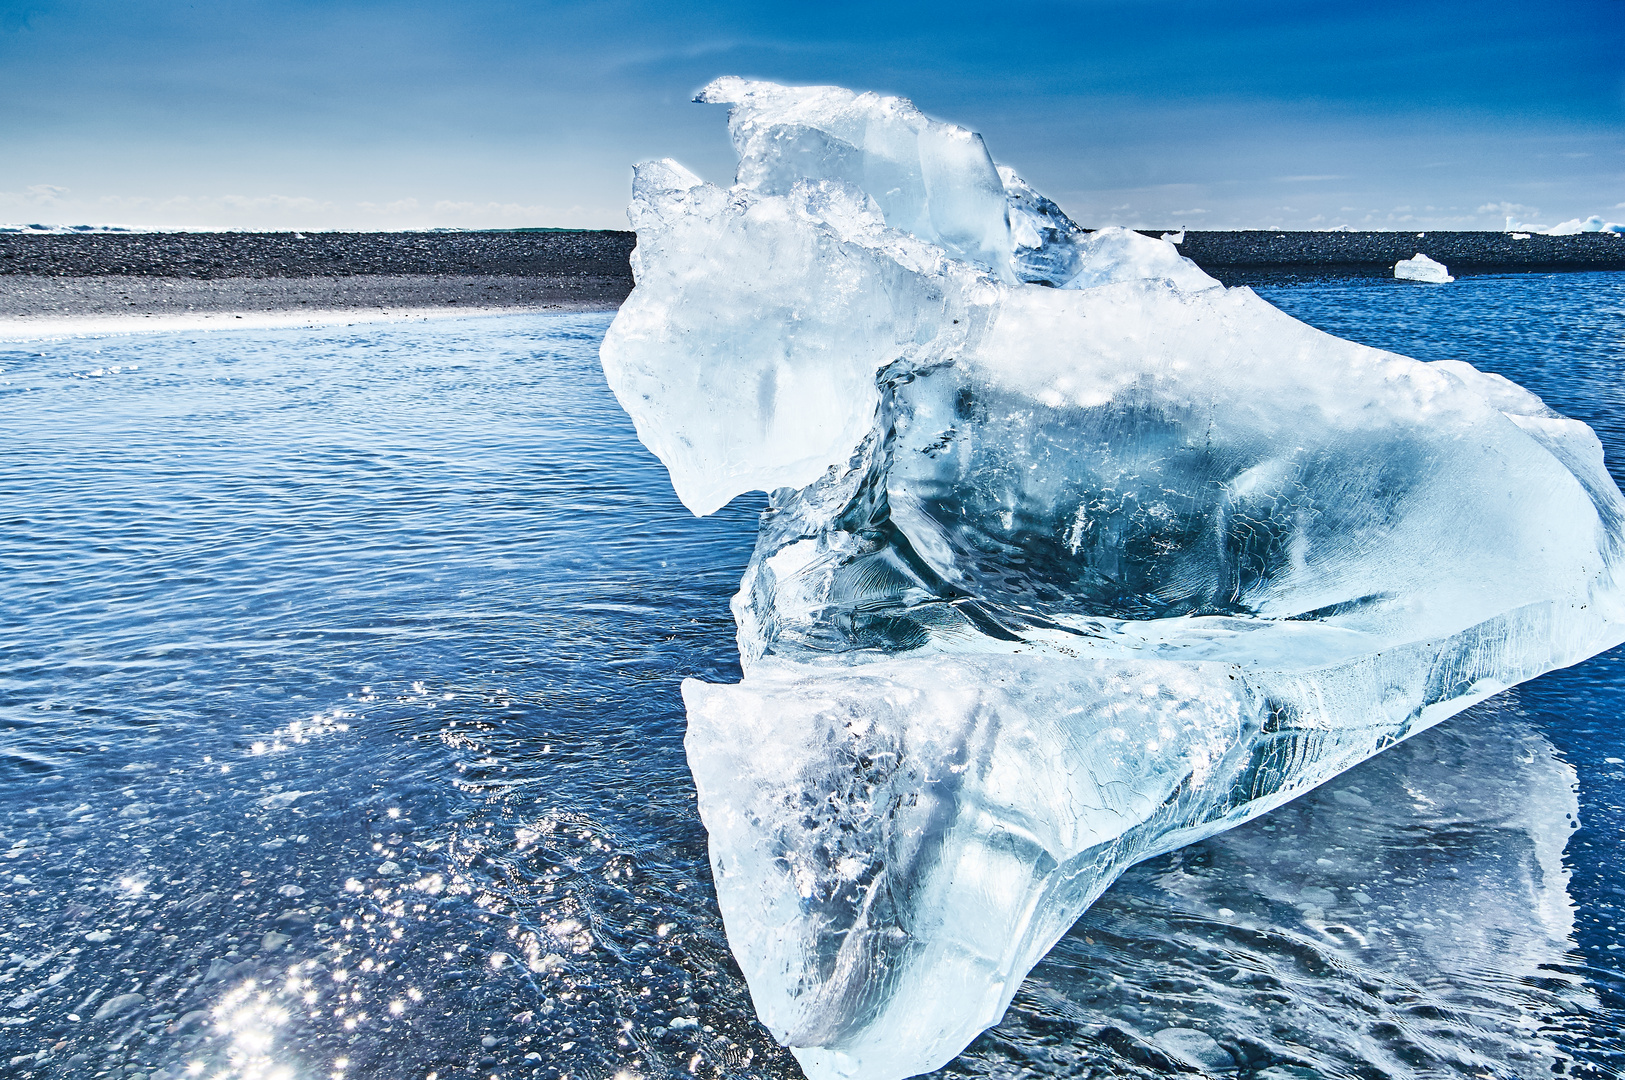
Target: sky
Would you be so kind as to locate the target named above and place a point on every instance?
(397, 114)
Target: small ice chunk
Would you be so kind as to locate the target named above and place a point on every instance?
(1421, 268)
(1175, 238)
(117, 1006)
(1046, 244)
(188, 1021)
(1192, 1047)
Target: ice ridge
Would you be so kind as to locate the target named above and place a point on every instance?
(1072, 556)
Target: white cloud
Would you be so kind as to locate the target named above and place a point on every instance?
(34, 195)
(500, 214)
(1308, 179)
(216, 203)
(399, 206)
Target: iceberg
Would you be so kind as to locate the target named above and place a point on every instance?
(1071, 556)
(1421, 268)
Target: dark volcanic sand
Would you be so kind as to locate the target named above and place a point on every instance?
(252, 255)
(32, 296)
(96, 274)
(1238, 257)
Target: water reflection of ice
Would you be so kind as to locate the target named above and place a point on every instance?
(1409, 919)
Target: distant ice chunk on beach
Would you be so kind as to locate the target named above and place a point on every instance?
(58, 230)
(1072, 556)
(1572, 227)
(1421, 268)
(1592, 224)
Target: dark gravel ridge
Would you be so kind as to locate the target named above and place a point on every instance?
(1376, 252)
(210, 256)
(603, 254)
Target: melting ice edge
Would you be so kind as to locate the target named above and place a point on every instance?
(1072, 556)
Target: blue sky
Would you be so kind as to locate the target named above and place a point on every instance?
(400, 114)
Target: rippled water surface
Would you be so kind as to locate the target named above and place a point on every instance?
(341, 738)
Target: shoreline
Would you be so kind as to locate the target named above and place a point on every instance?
(1235, 257)
(31, 297)
(34, 307)
(604, 254)
(55, 285)
(65, 284)
(33, 328)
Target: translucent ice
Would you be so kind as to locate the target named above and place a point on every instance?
(1421, 268)
(1072, 556)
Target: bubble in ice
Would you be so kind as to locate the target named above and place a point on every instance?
(1072, 557)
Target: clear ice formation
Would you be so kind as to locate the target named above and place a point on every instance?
(1072, 555)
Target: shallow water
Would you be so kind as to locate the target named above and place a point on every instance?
(341, 736)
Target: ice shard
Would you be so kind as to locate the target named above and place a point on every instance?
(1072, 556)
(1421, 268)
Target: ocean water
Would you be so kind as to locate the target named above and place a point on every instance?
(340, 738)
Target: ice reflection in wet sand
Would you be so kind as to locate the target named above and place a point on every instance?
(1410, 918)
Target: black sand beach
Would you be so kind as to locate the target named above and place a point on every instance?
(1241, 257)
(163, 274)
(78, 275)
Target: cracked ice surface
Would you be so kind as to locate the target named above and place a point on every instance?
(1072, 556)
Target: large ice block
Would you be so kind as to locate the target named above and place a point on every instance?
(1072, 556)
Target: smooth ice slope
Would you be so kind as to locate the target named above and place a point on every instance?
(1072, 556)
